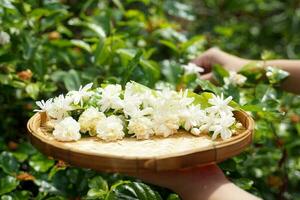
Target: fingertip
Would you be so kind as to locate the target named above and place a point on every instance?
(208, 76)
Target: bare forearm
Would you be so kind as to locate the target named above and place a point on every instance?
(230, 191)
(197, 183)
(292, 84)
(224, 191)
(231, 62)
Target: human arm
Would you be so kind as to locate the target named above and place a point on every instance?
(234, 63)
(207, 182)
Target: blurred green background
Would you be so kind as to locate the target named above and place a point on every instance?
(50, 47)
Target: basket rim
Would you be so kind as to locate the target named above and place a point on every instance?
(31, 126)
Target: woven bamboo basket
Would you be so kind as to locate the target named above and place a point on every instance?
(129, 155)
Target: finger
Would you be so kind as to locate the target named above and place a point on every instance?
(204, 62)
(207, 76)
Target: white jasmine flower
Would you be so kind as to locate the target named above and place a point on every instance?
(4, 38)
(167, 108)
(67, 130)
(220, 105)
(136, 90)
(183, 98)
(131, 105)
(147, 98)
(222, 127)
(192, 116)
(192, 68)
(207, 122)
(141, 43)
(162, 85)
(165, 124)
(135, 112)
(148, 113)
(88, 120)
(239, 125)
(195, 131)
(269, 74)
(110, 98)
(44, 106)
(171, 101)
(132, 89)
(110, 128)
(235, 79)
(60, 107)
(137, 100)
(82, 94)
(141, 127)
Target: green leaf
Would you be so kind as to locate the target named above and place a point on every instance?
(129, 54)
(92, 26)
(96, 194)
(19, 195)
(71, 80)
(6, 197)
(228, 165)
(7, 4)
(7, 57)
(8, 184)
(133, 190)
(220, 73)
(33, 89)
(98, 183)
(298, 128)
(101, 53)
(131, 66)
(9, 163)
(40, 163)
(170, 44)
(81, 44)
(208, 86)
(173, 197)
(244, 183)
(276, 75)
(18, 84)
(20, 156)
(2, 144)
(252, 108)
(97, 29)
(54, 170)
(196, 40)
(118, 4)
(172, 71)
(201, 99)
(232, 91)
(254, 71)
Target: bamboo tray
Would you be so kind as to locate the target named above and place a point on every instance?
(131, 155)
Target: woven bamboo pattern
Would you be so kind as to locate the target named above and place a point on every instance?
(130, 155)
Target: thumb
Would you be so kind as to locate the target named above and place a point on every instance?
(207, 76)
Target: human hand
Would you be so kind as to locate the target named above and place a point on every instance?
(206, 182)
(189, 183)
(216, 56)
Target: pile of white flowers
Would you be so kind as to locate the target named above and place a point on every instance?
(235, 79)
(111, 113)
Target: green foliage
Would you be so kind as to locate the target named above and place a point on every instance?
(59, 45)
(263, 29)
(8, 163)
(8, 184)
(265, 168)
